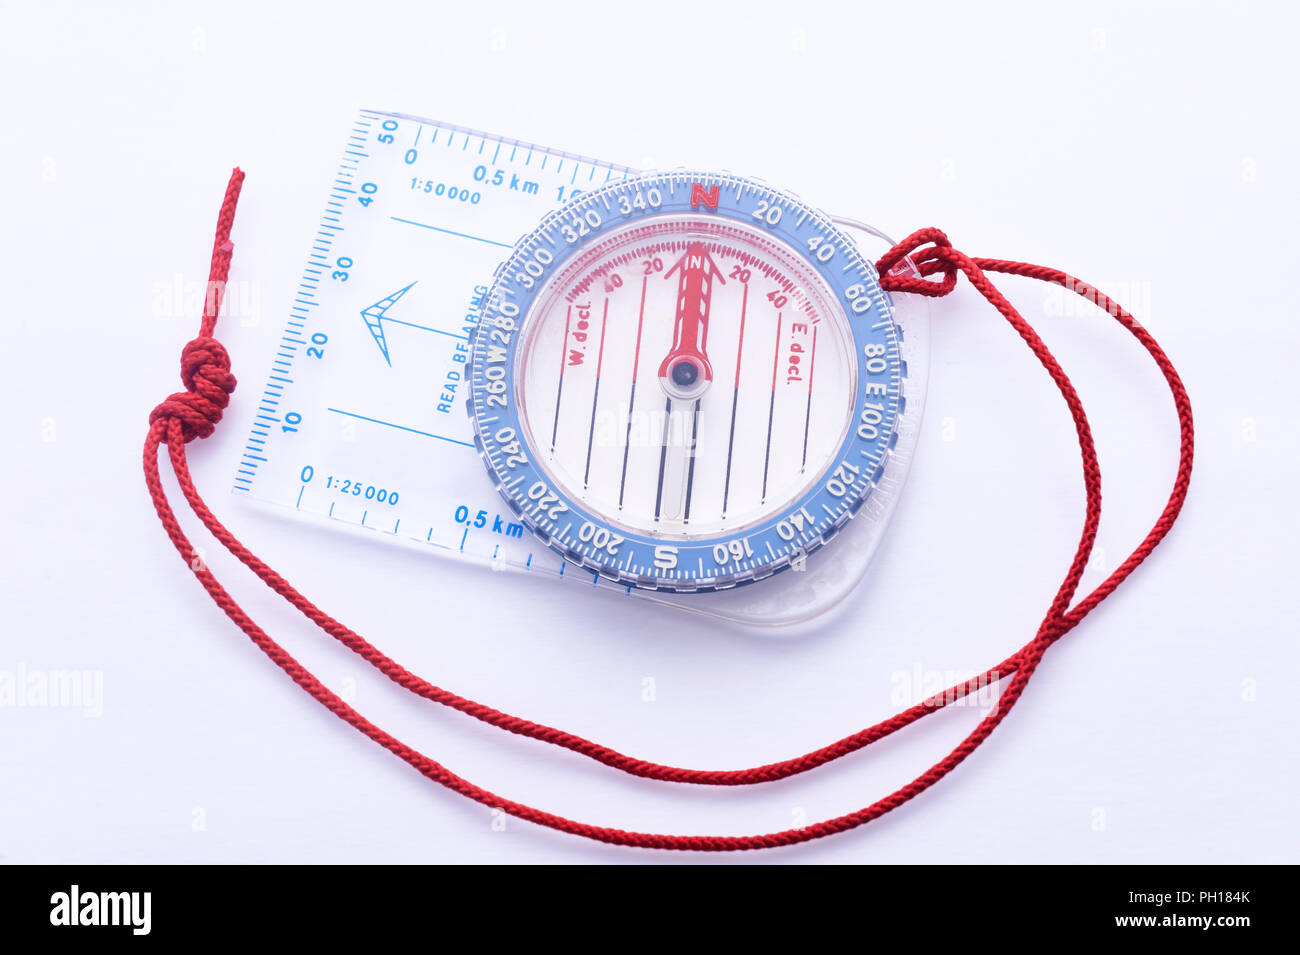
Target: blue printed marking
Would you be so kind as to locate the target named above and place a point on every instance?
(461, 235)
(424, 328)
(400, 427)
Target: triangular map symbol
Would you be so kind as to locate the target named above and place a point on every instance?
(374, 316)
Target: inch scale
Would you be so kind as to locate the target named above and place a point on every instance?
(363, 420)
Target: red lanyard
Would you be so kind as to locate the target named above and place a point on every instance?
(194, 413)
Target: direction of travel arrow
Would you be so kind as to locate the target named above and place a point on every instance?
(374, 316)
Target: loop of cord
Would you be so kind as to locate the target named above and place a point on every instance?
(208, 381)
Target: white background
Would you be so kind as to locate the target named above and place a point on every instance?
(1150, 148)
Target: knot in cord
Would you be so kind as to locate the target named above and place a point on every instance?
(205, 365)
(205, 372)
(938, 257)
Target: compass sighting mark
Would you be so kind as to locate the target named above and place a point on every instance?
(374, 317)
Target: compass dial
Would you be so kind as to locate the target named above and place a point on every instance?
(686, 382)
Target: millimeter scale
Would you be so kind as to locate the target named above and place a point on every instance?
(679, 387)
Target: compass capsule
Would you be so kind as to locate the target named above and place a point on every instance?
(686, 381)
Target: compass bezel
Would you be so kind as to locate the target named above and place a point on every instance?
(650, 561)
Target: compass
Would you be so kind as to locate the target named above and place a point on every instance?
(686, 381)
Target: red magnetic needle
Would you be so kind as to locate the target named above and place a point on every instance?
(685, 371)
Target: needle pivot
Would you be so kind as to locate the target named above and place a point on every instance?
(685, 373)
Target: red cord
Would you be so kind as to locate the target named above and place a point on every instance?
(193, 413)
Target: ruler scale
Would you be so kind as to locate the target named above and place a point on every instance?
(362, 420)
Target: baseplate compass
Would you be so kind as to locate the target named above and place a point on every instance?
(686, 381)
(681, 383)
